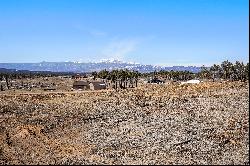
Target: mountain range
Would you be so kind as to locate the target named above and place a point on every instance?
(77, 67)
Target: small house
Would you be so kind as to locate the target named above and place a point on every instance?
(49, 89)
(156, 80)
(84, 85)
(96, 85)
(191, 82)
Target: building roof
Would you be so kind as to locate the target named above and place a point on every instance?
(191, 82)
(98, 84)
(80, 83)
(50, 88)
(155, 80)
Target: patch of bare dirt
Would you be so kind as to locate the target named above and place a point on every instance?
(207, 123)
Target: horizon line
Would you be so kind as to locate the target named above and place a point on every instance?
(135, 63)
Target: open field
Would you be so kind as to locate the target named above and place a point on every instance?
(207, 123)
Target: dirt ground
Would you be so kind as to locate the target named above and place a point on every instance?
(207, 123)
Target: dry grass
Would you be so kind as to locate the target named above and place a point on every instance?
(206, 123)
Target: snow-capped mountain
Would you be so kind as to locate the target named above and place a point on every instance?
(92, 66)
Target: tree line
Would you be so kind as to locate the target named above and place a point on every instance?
(121, 78)
(171, 75)
(7, 75)
(237, 71)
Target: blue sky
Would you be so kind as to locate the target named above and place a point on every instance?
(159, 32)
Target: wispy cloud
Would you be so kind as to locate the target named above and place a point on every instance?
(119, 49)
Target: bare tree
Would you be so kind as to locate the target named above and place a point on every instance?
(7, 80)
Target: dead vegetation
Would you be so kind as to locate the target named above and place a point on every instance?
(207, 123)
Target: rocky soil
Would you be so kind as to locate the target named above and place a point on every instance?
(206, 123)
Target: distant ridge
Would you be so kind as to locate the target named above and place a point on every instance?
(93, 66)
